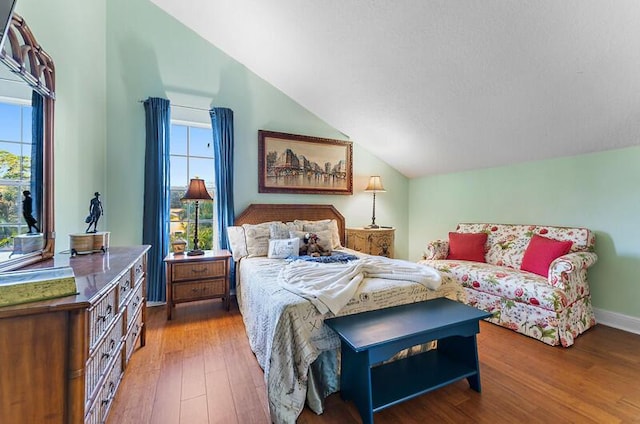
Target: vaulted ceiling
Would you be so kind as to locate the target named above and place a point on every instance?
(442, 86)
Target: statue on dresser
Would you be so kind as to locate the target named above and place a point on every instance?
(95, 211)
(27, 212)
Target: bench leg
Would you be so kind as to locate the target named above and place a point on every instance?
(355, 381)
(464, 350)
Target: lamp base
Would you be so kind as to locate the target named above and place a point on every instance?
(196, 252)
(372, 226)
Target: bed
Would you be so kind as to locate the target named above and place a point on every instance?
(298, 353)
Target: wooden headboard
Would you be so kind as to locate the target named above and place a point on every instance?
(259, 212)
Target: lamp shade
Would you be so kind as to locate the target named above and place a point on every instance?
(375, 184)
(196, 191)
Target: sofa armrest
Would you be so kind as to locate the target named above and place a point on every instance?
(569, 273)
(436, 249)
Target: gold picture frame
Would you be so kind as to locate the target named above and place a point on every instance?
(289, 163)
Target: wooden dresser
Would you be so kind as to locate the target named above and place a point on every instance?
(373, 241)
(68, 355)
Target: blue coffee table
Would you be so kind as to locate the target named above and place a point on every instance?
(369, 338)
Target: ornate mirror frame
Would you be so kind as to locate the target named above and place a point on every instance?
(22, 54)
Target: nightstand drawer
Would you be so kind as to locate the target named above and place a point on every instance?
(199, 290)
(193, 271)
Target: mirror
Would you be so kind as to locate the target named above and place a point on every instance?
(26, 68)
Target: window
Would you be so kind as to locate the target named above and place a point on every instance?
(191, 155)
(15, 168)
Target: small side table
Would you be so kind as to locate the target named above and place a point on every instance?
(373, 241)
(191, 278)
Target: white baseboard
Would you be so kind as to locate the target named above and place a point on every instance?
(617, 320)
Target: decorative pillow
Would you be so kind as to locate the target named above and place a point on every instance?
(327, 224)
(257, 238)
(467, 246)
(541, 252)
(237, 242)
(280, 230)
(324, 238)
(283, 248)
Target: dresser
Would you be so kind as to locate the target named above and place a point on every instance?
(191, 278)
(68, 355)
(373, 241)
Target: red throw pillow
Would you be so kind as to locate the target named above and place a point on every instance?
(541, 252)
(467, 246)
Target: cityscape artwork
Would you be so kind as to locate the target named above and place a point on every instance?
(291, 163)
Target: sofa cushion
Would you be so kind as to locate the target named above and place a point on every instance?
(541, 252)
(505, 282)
(467, 246)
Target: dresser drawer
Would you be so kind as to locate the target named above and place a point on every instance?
(125, 287)
(108, 391)
(135, 304)
(192, 271)
(133, 334)
(101, 315)
(199, 290)
(102, 357)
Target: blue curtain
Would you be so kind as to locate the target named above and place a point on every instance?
(222, 128)
(155, 227)
(37, 136)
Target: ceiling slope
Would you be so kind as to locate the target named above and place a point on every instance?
(443, 86)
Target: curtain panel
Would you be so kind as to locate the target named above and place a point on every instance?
(222, 129)
(155, 229)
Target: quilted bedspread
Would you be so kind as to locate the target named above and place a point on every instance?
(287, 334)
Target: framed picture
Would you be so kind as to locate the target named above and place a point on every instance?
(289, 163)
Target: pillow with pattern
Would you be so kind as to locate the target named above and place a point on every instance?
(283, 248)
(257, 238)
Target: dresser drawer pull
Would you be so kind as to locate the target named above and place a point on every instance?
(108, 312)
(112, 387)
(198, 271)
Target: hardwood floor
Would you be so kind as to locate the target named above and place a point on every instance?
(198, 368)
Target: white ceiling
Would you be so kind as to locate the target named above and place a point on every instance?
(441, 86)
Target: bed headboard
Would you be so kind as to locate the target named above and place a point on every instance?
(260, 212)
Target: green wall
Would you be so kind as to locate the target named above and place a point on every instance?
(599, 191)
(73, 33)
(151, 54)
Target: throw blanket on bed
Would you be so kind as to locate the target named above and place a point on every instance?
(330, 286)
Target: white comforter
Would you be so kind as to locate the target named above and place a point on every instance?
(287, 334)
(330, 286)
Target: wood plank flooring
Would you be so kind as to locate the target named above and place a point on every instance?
(198, 368)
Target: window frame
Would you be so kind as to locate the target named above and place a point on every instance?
(188, 209)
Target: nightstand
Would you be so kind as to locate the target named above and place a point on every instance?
(373, 241)
(191, 278)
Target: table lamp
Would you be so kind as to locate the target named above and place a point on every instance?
(196, 192)
(375, 186)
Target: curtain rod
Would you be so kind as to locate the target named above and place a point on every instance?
(185, 107)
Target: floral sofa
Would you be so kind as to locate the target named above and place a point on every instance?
(554, 309)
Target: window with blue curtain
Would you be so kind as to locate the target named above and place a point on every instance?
(191, 155)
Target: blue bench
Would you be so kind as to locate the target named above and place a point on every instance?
(369, 338)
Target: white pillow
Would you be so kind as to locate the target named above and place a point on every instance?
(237, 242)
(325, 225)
(283, 248)
(280, 230)
(257, 238)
